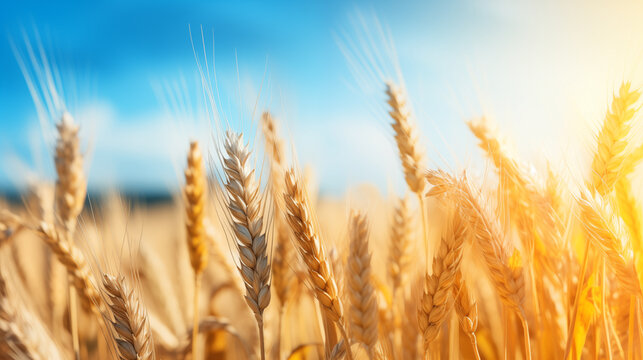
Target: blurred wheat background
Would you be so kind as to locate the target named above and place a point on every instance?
(304, 181)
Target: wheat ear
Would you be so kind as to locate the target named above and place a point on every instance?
(300, 218)
(611, 142)
(245, 205)
(399, 246)
(195, 184)
(599, 225)
(71, 185)
(194, 208)
(412, 158)
(360, 289)
(467, 309)
(406, 138)
(434, 304)
(130, 326)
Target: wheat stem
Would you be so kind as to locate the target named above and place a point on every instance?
(195, 323)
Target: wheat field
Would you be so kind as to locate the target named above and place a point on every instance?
(248, 262)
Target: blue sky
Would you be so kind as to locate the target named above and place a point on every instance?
(541, 70)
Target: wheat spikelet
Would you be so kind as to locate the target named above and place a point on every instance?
(22, 335)
(10, 225)
(338, 352)
(130, 327)
(245, 206)
(434, 305)
(608, 160)
(466, 307)
(74, 261)
(399, 245)
(363, 303)
(41, 202)
(599, 225)
(407, 139)
(71, 185)
(194, 208)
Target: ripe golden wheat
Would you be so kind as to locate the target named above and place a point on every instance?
(519, 264)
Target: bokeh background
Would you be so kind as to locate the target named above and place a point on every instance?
(544, 71)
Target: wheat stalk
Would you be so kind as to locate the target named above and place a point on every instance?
(130, 327)
(360, 289)
(245, 206)
(434, 304)
(300, 217)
